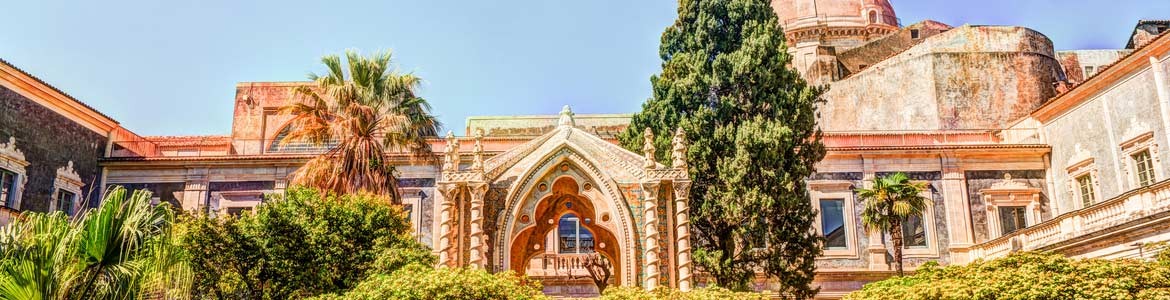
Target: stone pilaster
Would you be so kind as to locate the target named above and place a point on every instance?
(447, 223)
(682, 222)
(195, 195)
(958, 211)
(478, 244)
(650, 217)
(875, 247)
(1162, 86)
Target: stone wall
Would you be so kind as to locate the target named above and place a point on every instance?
(856, 59)
(49, 141)
(971, 77)
(1096, 129)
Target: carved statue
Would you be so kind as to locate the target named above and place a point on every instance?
(648, 147)
(678, 151)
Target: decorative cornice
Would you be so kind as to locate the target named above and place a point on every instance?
(68, 173)
(1079, 157)
(1123, 68)
(54, 99)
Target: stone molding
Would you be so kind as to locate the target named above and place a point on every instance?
(13, 160)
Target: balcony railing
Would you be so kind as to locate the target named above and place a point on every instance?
(562, 265)
(1136, 204)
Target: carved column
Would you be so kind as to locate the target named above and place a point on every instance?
(446, 223)
(682, 222)
(478, 244)
(650, 217)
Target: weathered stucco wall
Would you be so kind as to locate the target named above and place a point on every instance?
(971, 77)
(1097, 127)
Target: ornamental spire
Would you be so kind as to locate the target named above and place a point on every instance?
(566, 117)
(648, 147)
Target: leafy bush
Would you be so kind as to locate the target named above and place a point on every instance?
(662, 293)
(123, 249)
(1029, 276)
(304, 244)
(417, 282)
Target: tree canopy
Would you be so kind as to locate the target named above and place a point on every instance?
(751, 122)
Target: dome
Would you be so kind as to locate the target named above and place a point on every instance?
(861, 12)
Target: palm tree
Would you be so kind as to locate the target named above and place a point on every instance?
(121, 250)
(888, 204)
(367, 109)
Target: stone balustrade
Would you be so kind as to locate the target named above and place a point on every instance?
(1131, 206)
(561, 265)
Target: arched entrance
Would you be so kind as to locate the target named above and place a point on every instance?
(563, 203)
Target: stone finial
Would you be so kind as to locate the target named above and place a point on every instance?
(451, 153)
(648, 147)
(566, 117)
(678, 151)
(477, 163)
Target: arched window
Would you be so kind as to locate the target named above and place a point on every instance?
(573, 238)
(873, 16)
(277, 146)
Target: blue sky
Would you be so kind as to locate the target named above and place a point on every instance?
(170, 67)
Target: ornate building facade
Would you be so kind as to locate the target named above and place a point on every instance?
(1022, 148)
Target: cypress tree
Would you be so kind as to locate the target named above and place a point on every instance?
(751, 122)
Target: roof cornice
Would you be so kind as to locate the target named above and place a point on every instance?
(48, 96)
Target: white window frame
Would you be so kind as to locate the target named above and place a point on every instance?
(1011, 192)
(67, 180)
(12, 160)
(836, 189)
(1085, 166)
(1133, 146)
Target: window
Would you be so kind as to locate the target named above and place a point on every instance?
(572, 237)
(8, 187)
(914, 233)
(872, 17)
(1085, 184)
(1012, 218)
(1145, 168)
(65, 201)
(1089, 71)
(914, 34)
(833, 223)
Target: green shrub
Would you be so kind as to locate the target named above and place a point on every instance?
(417, 282)
(304, 244)
(1028, 276)
(662, 293)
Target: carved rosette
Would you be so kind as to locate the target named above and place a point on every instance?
(682, 220)
(446, 223)
(478, 243)
(650, 215)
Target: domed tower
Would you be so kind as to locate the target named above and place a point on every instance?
(817, 29)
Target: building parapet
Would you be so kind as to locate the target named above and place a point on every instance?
(1092, 220)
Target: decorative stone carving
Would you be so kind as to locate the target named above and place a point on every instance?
(678, 151)
(1079, 155)
(682, 221)
(1136, 128)
(648, 148)
(566, 118)
(1010, 192)
(68, 180)
(477, 162)
(446, 223)
(451, 154)
(478, 240)
(650, 218)
(12, 159)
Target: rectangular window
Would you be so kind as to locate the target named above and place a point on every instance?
(1089, 71)
(833, 223)
(914, 233)
(65, 201)
(8, 187)
(1085, 184)
(1012, 218)
(914, 34)
(573, 238)
(1145, 168)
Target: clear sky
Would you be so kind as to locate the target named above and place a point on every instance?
(170, 67)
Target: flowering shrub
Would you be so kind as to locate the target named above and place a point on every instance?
(425, 282)
(1029, 276)
(662, 293)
